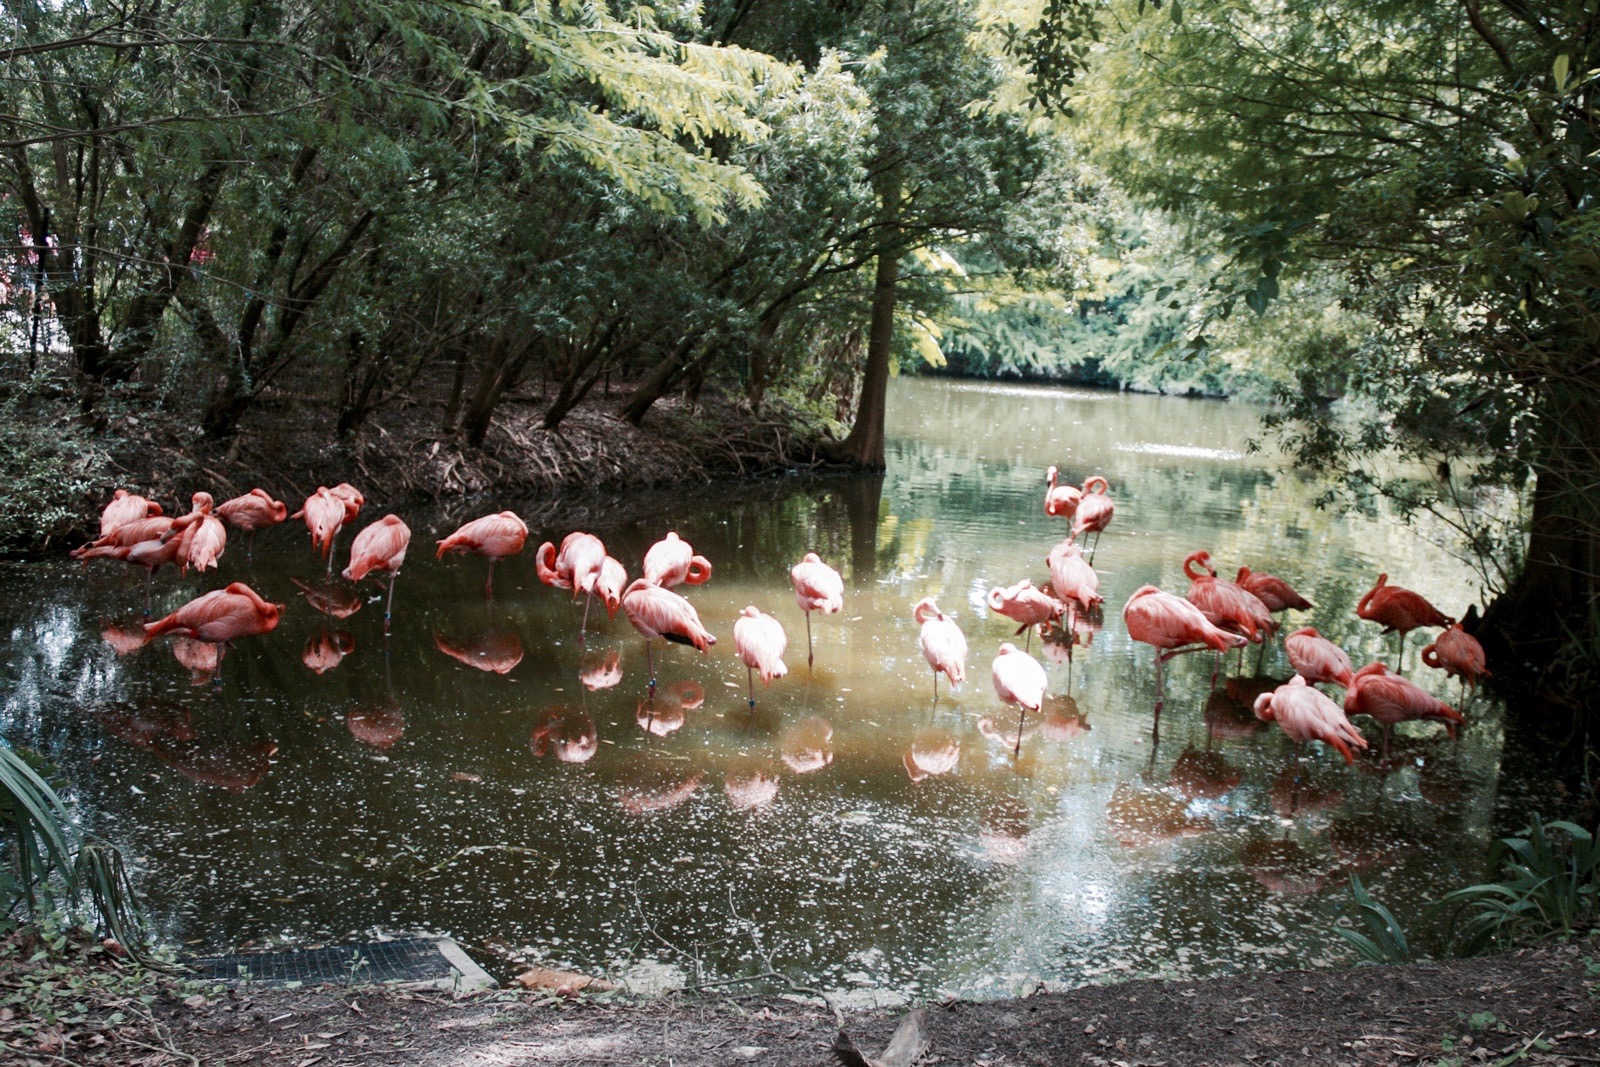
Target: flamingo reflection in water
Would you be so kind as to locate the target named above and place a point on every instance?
(751, 783)
(333, 599)
(600, 669)
(569, 734)
(147, 722)
(1287, 868)
(933, 751)
(1141, 816)
(326, 649)
(807, 746)
(1203, 774)
(199, 658)
(1004, 829)
(647, 784)
(381, 725)
(665, 712)
(494, 651)
(1063, 720)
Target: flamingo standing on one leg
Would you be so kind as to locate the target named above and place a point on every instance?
(579, 566)
(657, 612)
(943, 644)
(1307, 714)
(1173, 626)
(817, 587)
(1025, 605)
(380, 548)
(1060, 501)
(671, 561)
(1094, 512)
(220, 616)
(327, 511)
(1018, 679)
(1457, 653)
(760, 641)
(1389, 699)
(151, 554)
(1225, 603)
(201, 536)
(492, 536)
(1071, 576)
(251, 512)
(1399, 610)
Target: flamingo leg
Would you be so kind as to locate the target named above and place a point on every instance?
(936, 686)
(809, 660)
(750, 683)
(1400, 659)
(583, 627)
(149, 580)
(650, 666)
(1021, 714)
(488, 585)
(388, 605)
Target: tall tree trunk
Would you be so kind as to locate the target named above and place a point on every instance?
(658, 381)
(863, 446)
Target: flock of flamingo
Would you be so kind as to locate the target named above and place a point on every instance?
(1214, 614)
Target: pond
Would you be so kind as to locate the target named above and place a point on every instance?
(484, 771)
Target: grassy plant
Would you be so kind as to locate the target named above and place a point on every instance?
(1384, 942)
(1548, 885)
(46, 871)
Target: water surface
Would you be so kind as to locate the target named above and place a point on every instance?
(849, 833)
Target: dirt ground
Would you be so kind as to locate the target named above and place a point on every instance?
(1539, 1007)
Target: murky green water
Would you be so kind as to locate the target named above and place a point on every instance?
(535, 819)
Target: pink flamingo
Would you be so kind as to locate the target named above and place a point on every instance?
(125, 507)
(219, 617)
(1225, 603)
(1018, 679)
(1094, 511)
(1025, 605)
(817, 587)
(943, 644)
(1306, 714)
(1459, 654)
(1072, 577)
(609, 585)
(760, 642)
(1399, 610)
(201, 536)
(657, 612)
(492, 536)
(325, 512)
(1060, 501)
(1389, 699)
(1173, 626)
(1316, 659)
(1277, 594)
(671, 561)
(251, 512)
(380, 548)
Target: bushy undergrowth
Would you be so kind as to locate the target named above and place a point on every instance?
(49, 465)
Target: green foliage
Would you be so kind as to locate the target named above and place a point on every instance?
(1549, 886)
(1384, 941)
(49, 465)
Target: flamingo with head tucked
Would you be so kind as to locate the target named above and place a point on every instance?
(251, 512)
(759, 640)
(671, 561)
(380, 549)
(492, 536)
(1094, 512)
(1459, 654)
(220, 617)
(125, 507)
(578, 566)
(1019, 679)
(658, 612)
(817, 587)
(1316, 659)
(1389, 699)
(943, 644)
(1172, 626)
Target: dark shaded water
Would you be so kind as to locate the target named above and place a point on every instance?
(406, 788)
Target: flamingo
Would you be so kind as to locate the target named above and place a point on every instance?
(151, 554)
(1173, 626)
(578, 567)
(670, 561)
(760, 641)
(1071, 576)
(251, 512)
(1389, 699)
(1277, 594)
(1399, 610)
(493, 536)
(609, 586)
(657, 612)
(1457, 653)
(1094, 511)
(817, 587)
(125, 507)
(943, 644)
(1060, 501)
(325, 512)
(1316, 659)
(1025, 605)
(380, 548)
(1018, 679)
(201, 536)
(129, 533)
(1307, 714)
(220, 616)
(1226, 604)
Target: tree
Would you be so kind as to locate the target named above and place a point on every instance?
(1447, 183)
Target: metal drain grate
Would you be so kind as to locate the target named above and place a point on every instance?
(436, 962)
